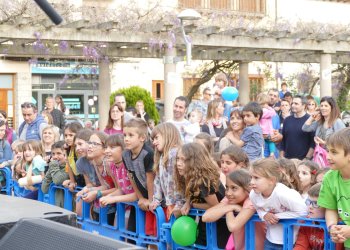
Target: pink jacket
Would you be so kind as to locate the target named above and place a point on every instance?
(266, 120)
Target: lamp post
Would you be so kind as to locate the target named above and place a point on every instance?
(188, 14)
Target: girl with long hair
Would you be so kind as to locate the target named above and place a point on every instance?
(166, 140)
(236, 201)
(273, 200)
(197, 179)
(216, 122)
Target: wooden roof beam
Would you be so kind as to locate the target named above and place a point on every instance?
(209, 30)
(79, 24)
(105, 26)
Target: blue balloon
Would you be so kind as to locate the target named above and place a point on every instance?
(229, 94)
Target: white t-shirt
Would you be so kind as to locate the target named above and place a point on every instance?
(179, 125)
(284, 203)
(191, 131)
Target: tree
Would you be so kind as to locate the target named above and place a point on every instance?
(135, 93)
(208, 70)
(342, 86)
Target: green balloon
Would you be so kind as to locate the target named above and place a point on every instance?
(184, 231)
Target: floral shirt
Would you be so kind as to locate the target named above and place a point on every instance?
(107, 180)
(121, 175)
(164, 183)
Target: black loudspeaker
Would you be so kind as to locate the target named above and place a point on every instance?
(38, 234)
(12, 209)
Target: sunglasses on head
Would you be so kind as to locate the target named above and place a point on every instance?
(28, 105)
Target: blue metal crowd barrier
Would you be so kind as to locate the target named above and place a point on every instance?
(289, 224)
(8, 178)
(163, 238)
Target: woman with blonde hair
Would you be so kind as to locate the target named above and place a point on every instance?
(216, 122)
(311, 105)
(50, 135)
(47, 116)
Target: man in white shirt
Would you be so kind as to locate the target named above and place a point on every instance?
(179, 110)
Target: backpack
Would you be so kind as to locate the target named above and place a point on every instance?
(320, 156)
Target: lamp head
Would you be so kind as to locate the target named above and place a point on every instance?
(189, 14)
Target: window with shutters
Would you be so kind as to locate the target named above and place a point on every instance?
(253, 6)
(220, 4)
(190, 4)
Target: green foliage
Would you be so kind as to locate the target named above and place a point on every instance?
(135, 93)
(342, 99)
(342, 84)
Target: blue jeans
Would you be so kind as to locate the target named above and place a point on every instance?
(272, 246)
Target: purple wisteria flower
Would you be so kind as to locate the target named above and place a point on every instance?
(63, 46)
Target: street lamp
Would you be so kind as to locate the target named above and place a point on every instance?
(188, 14)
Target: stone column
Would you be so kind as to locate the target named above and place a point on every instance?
(326, 75)
(104, 90)
(172, 81)
(244, 85)
(23, 93)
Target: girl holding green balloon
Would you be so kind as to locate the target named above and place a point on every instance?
(197, 178)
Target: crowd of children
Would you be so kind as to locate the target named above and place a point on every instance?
(164, 171)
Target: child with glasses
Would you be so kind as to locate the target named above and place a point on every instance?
(312, 237)
(108, 185)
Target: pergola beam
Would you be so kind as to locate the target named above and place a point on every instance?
(198, 54)
(234, 44)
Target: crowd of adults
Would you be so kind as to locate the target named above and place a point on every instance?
(298, 124)
(277, 125)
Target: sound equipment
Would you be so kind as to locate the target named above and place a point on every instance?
(12, 209)
(38, 234)
(50, 11)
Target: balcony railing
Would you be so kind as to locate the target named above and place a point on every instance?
(251, 6)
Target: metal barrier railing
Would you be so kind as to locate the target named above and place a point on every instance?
(119, 231)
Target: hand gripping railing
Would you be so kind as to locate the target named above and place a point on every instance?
(119, 230)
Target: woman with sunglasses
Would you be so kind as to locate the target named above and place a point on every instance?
(324, 121)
